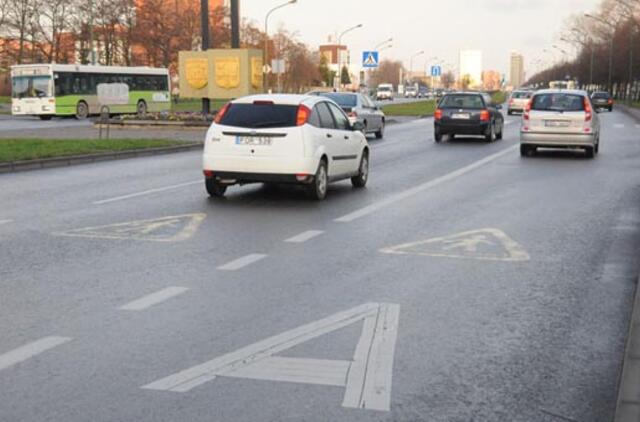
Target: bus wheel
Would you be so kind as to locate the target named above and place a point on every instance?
(141, 108)
(82, 110)
(45, 117)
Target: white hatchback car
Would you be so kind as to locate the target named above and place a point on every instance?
(294, 139)
(560, 119)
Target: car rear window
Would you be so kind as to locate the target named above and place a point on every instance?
(521, 95)
(253, 116)
(384, 89)
(462, 101)
(558, 102)
(601, 95)
(343, 100)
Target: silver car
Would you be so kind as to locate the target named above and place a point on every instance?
(360, 108)
(560, 119)
(518, 101)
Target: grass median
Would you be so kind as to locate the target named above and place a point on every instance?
(35, 149)
(415, 109)
(192, 105)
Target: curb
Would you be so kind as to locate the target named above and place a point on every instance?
(628, 406)
(73, 160)
(154, 124)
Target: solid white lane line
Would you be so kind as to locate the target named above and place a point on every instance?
(376, 206)
(5, 221)
(242, 262)
(146, 192)
(153, 299)
(304, 237)
(30, 350)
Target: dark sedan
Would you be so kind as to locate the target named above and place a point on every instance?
(602, 100)
(468, 113)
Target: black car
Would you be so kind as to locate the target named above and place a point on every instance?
(468, 113)
(602, 100)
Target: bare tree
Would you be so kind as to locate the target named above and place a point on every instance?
(53, 20)
(4, 13)
(20, 22)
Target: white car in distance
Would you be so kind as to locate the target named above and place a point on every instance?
(293, 139)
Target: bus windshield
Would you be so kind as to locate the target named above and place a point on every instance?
(31, 86)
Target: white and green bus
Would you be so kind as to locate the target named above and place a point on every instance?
(48, 90)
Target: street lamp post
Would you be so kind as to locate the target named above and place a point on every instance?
(342, 34)
(204, 29)
(613, 33)
(589, 45)
(411, 63)
(266, 40)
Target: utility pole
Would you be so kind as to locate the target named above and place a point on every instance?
(235, 24)
(204, 25)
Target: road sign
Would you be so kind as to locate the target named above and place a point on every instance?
(485, 244)
(366, 377)
(436, 71)
(278, 66)
(370, 59)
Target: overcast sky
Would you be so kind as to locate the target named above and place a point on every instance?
(440, 27)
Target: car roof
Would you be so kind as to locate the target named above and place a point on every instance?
(281, 99)
(563, 91)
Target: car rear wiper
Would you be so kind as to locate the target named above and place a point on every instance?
(269, 124)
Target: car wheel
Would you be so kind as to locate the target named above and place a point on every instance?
(527, 150)
(215, 189)
(45, 117)
(318, 189)
(499, 134)
(380, 133)
(82, 110)
(610, 109)
(141, 108)
(437, 136)
(596, 149)
(590, 152)
(491, 136)
(360, 180)
(509, 112)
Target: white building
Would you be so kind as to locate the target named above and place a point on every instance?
(471, 67)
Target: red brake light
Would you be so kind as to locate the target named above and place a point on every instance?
(303, 115)
(527, 109)
(484, 115)
(610, 101)
(263, 102)
(438, 114)
(220, 114)
(587, 110)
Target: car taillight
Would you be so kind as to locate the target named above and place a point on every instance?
(220, 114)
(527, 109)
(484, 115)
(303, 115)
(588, 113)
(438, 114)
(610, 101)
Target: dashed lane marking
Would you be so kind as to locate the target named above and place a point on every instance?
(304, 237)
(146, 192)
(376, 206)
(153, 299)
(240, 263)
(5, 222)
(366, 378)
(30, 350)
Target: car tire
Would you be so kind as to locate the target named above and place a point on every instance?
(610, 109)
(360, 181)
(215, 189)
(45, 117)
(590, 152)
(82, 110)
(490, 137)
(141, 108)
(437, 136)
(527, 151)
(509, 112)
(596, 149)
(318, 188)
(380, 132)
(499, 134)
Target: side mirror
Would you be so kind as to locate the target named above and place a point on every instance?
(357, 126)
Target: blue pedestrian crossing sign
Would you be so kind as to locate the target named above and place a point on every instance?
(370, 59)
(436, 71)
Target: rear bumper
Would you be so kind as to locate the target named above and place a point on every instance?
(557, 140)
(230, 177)
(462, 129)
(257, 165)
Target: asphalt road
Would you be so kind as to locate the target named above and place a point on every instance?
(464, 284)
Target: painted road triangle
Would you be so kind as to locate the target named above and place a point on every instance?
(366, 378)
(165, 229)
(484, 244)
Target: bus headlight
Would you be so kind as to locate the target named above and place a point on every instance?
(16, 109)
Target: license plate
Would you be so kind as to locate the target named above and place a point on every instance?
(253, 140)
(463, 116)
(556, 123)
